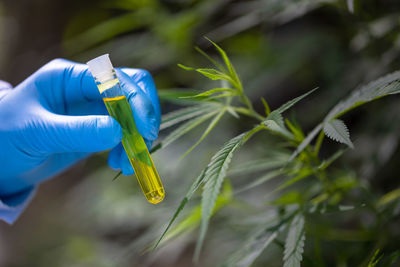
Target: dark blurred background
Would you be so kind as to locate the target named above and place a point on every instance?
(281, 48)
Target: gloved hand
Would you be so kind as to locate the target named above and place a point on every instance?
(56, 117)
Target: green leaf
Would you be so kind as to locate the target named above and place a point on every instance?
(192, 220)
(252, 248)
(212, 74)
(259, 164)
(306, 142)
(228, 63)
(292, 197)
(260, 180)
(116, 176)
(272, 125)
(186, 67)
(183, 114)
(219, 66)
(193, 188)
(274, 122)
(232, 112)
(103, 31)
(290, 103)
(186, 127)
(155, 148)
(304, 173)
(177, 95)
(296, 130)
(211, 126)
(389, 197)
(256, 243)
(221, 96)
(266, 106)
(326, 163)
(215, 174)
(387, 85)
(294, 245)
(337, 131)
(276, 116)
(345, 182)
(212, 91)
(376, 258)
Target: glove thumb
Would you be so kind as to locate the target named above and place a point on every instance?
(81, 133)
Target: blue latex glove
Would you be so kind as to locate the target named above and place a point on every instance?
(56, 117)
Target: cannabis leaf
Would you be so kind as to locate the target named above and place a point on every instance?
(219, 66)
(266, 106)
(178, 95)
(276, 117)
(183, 114)
(214, 91)
(294, 245)
(389, 197)
(212, 74)
(306, 141)
(266, 177)
(292, 102)
(296, 130)
(252, 248)
(259, 164)
(302, 174)
(186, 127)
(375, 259)
(256, 244)
(231, 69)
(386, 85)
(211, 126)
(274, 122)
(327, 162)
(193, 188)
(337, 131)
(199, 181)
(192, 220)
(215, 174)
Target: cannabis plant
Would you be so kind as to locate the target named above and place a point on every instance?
(308, 187)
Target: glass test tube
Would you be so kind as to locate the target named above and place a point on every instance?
(134, 145)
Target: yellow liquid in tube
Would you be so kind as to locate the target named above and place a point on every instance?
(136, 149)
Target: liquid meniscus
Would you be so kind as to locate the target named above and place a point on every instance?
(136, 149)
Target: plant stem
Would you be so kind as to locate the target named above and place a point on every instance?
(319, 143)
(245, 100)
(249, 112)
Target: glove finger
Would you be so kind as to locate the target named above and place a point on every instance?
(87, 108)
(79, 133)
(75, 79)
(145, 82)
(114, 157)
(126, 165)
(149, 143)
(80, 85)
(142, 108)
